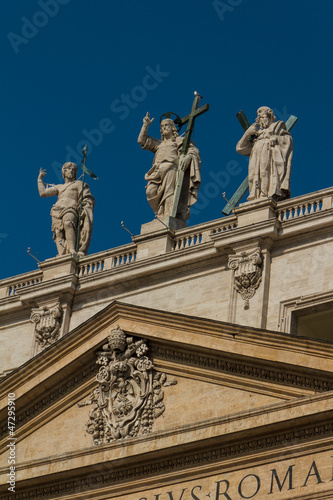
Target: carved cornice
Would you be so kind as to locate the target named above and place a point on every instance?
(49, 399)
(210, 455)
(135, 318)
(307, 381)
(255, 371)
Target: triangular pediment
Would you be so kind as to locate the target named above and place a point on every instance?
(231, 380)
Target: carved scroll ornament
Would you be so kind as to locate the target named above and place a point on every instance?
(247, 273)
(129, 396)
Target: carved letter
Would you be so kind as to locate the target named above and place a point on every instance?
(241, 483)
(171, 495)
(193, 494)
(276, 477)
(314, 473)
(218, 494)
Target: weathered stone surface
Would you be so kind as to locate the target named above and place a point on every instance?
(245, 404)
(247, 273)
(129, 395)
(186, 271)
(47, 324)
(162, 176)
(270, 148)
(251, 414)
(66, 222)
(284, 479)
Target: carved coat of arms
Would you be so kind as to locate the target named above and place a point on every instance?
(247, 273)
(129, 396)
(48, 323)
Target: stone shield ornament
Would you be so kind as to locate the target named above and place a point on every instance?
(129, 396)
(247, 268)
(47, 324)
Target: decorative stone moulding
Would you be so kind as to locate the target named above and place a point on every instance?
(47, 324)
(129, 396)
(247, 273)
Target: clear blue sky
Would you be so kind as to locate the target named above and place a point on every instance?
(67, 65)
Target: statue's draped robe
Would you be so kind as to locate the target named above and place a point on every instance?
(69, 199)
(163, 175)
(87, 220)
(269, 166)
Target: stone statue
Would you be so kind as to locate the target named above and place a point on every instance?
(163, 174)
(65, 212)
(270, 148)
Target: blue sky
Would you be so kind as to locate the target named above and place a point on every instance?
(77, 71)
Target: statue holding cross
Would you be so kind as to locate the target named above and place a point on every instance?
(174, 179)
(269, 145)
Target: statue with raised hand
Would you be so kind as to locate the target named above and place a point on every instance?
(72, 214)
(162, 176)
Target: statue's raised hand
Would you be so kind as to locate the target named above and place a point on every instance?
(147, 121)
(252, 130)
(42, 174)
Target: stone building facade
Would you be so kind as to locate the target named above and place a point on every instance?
(189, 364)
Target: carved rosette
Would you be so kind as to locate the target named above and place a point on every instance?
(47, 324)
(129, 395)
(247, 273)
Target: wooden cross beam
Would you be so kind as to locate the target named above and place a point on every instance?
(236, 198)
(190, 118)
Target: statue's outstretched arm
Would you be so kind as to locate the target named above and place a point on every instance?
(144, 129)
(44, 191)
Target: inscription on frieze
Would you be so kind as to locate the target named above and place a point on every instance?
(285, 480)
(129, 395)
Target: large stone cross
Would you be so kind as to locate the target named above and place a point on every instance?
(236, 198)
(190, 118)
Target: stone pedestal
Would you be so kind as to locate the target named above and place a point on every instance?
(156, 237)
(252, 212)
(170, 223)
(59, 267)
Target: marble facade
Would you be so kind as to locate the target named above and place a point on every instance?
(250, 414)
